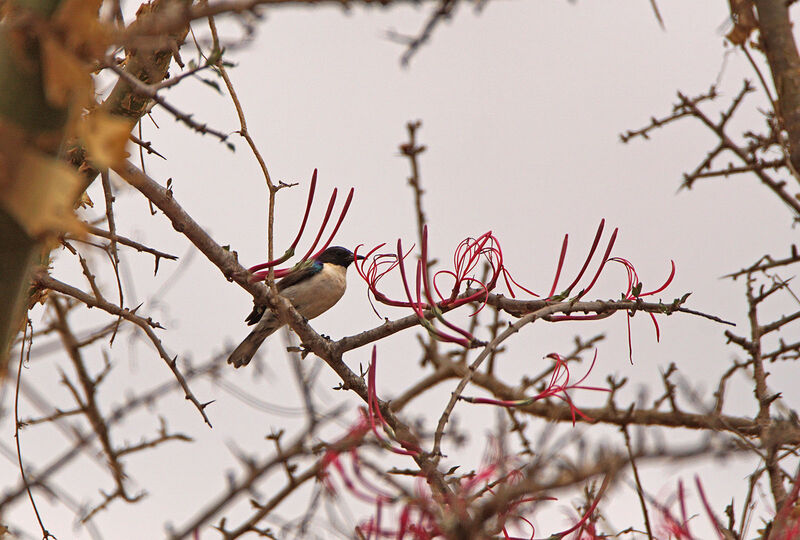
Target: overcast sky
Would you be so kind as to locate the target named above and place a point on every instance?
(521, 105)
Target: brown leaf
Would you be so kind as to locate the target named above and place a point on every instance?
(744, 21)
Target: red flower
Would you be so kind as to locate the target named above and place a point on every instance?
(258, 271)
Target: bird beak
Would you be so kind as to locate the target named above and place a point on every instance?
(360, 257)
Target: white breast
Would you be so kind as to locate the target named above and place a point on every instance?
(312, 300)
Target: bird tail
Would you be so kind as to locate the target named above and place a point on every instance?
(245, 351)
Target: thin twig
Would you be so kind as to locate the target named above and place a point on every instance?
(273, 189)
(776, 186)
(130, 243)
(144, 145)
(639, 488)
(413, 44)
(151, 92)
(45, 533)
(87, 403)
(411, 150)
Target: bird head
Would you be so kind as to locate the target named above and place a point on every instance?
(338, 255)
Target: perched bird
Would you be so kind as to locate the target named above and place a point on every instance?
(312, 289)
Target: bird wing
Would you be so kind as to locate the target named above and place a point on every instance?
(293, 278)
(298, 275)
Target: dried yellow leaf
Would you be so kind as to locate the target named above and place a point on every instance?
(66, 78)
(105, 137)
(42, 195)
(84, 33)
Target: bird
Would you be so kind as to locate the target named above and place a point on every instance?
(311, 288)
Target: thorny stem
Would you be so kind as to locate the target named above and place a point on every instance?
(719, 130)
(183, 223)
(150, 92)
(412, 150)
(81, 441)
(88, 403)
(763, 417)
(45, 281)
